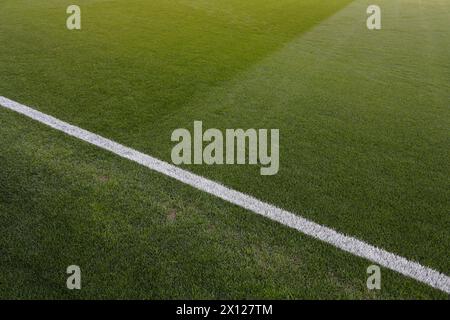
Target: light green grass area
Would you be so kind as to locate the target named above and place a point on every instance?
(364, 122)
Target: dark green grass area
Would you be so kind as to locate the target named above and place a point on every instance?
(138, 61)
(137, 234)
(363, 116)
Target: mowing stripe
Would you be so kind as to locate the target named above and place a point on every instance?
(352, 245)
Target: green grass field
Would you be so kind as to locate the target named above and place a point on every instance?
(364, 120)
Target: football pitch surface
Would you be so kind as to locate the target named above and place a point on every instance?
(364, 124)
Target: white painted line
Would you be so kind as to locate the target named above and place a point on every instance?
(354, 246)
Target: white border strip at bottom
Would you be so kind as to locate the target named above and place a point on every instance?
(352, 245)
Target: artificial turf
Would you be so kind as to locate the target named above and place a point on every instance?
(363, 119)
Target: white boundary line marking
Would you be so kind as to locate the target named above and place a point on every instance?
(352, 245)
